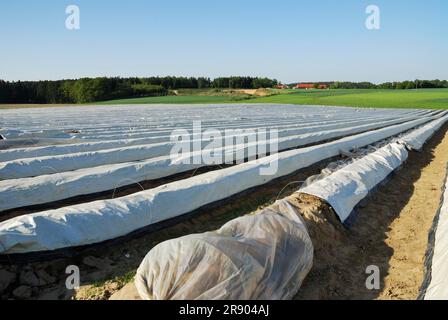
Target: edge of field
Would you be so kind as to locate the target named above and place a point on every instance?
(362, 98)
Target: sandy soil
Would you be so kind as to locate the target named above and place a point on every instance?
(255, 92)
(422, 183)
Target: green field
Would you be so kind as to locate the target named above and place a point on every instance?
(421, 98)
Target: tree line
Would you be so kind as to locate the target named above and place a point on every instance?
(86, 90)
(417, 84)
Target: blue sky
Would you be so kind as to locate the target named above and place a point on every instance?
(290, 40)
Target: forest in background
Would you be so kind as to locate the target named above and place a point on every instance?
(86, 90)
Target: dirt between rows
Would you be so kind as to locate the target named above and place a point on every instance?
(390, 230)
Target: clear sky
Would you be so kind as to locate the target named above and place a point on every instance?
(290, 40)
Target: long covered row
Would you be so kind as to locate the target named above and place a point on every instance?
(164, 136)
(247, 124)
(49, 188)
(98, 221)
(134, 116)
(156, 116)
(32, 167)
(285, 270)
(345, 188)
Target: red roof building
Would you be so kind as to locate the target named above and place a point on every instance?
(310, 86)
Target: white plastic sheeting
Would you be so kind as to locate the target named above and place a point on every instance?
(125, 118)
(105, 136)
(98, 221)
(345, 188)
(24, 192)
(260, 257)
(31, 167)
(122, 131)
(161, 136)
(417, 138)
(53, 150)
(17, 144)
(284, 130)
(48, 188)
(257, 120)
(438, 286)
(54, 187)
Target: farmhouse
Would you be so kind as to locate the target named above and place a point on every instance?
(282, 86)
(308, 86)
